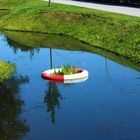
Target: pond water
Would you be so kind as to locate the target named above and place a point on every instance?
(104, 107)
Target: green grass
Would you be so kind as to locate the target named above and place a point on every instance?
(3, 13)
(65, 70)
(119, 34)
(5, 70)
(11, 4)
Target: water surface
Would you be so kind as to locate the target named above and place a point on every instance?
(105, 107)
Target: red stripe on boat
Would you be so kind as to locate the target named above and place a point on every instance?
(55, 78)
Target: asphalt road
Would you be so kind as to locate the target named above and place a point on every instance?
(110, 8)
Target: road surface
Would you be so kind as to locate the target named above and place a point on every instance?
(110, 8)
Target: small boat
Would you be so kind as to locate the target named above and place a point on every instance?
(80, 76)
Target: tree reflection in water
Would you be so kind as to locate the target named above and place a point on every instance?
(52, 99)
(11, 126)
(16, 46)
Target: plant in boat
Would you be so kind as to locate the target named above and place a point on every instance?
(65, 70)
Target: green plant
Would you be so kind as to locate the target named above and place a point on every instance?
(65, 70)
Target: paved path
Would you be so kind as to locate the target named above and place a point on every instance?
(111, 8)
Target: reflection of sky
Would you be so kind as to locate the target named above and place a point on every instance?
(106, 106)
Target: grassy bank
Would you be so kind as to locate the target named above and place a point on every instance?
(31, 42)
(112, 32)
(11, 4)
(5, 70)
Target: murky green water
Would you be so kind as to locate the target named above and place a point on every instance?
(105, 107)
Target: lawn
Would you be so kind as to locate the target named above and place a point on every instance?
(116, 33)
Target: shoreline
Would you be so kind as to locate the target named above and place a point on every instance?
(6, 69)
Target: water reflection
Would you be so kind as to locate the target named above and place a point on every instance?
(31, 42)
(12, 127)
(52, 99)
(16, 46)
(93, 109)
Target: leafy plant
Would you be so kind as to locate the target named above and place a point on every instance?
(65, 70)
